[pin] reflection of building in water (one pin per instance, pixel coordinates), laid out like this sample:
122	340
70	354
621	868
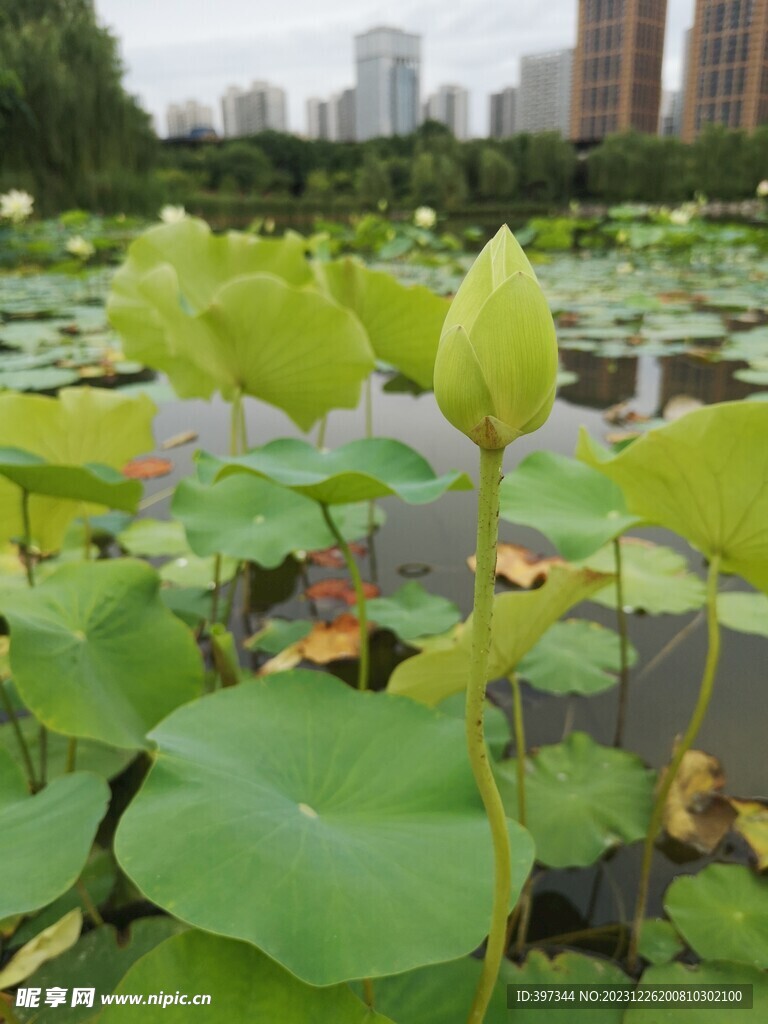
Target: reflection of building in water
711	382
602	382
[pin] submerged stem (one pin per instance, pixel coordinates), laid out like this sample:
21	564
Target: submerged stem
485	576
621	620
357	582
685	744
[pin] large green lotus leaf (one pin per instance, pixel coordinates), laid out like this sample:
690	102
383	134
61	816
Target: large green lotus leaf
722	913
91	756
520	620
100	485
44	839
122	660
81	426
720	973
582	799
655	579
746	613
243	984
412	612
359	471
573	505
403	323
575	656
705	476
154	538
97	961
308	830
191	571
659	941
249	518
564	970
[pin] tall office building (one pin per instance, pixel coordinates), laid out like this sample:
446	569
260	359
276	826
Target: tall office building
450	106
346	115
259	108
503	113
229	110
617	67
185	118
544	97
727	80
671	114
388	71
332	119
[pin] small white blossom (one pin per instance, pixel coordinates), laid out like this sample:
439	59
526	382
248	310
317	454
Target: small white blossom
80	247
424	217
680	217
172	214
16	206
762	189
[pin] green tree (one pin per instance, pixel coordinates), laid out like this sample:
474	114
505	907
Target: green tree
497	177
549	167
373	181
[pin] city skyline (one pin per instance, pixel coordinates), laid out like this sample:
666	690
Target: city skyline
191	55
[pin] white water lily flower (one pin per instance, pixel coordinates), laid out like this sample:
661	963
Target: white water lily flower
680	217
16	206
424	217
80	247
172	214
762	189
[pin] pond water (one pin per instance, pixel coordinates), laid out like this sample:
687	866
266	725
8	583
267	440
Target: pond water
635	335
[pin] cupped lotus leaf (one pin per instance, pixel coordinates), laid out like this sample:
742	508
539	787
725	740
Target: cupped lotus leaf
564	970
412	612
659	942
341	827
123	661
44	839
746	613
719	973
573	505
242	983
704	476
582	799
358	471
575	656
722	913
519	621
81	426
655	579
403	323
91	482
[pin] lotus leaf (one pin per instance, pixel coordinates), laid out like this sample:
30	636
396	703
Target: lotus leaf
655	578
91	482
412	612
746	613
719	973
575	656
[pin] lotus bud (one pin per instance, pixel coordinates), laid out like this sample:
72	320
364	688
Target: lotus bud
496	365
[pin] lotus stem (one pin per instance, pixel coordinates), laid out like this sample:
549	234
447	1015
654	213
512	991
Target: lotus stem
321	432
362	618
91	908
25	754
27	537
71	754
520	748
621	620
485	578
236	423
43	756
216	589
368	993
665	785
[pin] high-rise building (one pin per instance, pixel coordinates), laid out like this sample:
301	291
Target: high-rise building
184	119
229	110
332	119
544	96
617	67
388	71
346	118
259	108
450	106
503	113
727	80
671	114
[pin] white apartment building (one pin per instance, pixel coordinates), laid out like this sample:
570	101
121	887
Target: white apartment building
544	96
503	113
185	118
256	109
450	106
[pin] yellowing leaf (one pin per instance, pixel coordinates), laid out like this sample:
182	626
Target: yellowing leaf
696	812
49	943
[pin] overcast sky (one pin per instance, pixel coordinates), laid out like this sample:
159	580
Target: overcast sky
193	49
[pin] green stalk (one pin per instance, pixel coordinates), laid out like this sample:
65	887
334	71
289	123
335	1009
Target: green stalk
25	754
27	539
520	748
482	616
321	432
621	620
43	756
368	992
362	618
699	712
231	594
71	754
216	589
91	908
87	539
235	425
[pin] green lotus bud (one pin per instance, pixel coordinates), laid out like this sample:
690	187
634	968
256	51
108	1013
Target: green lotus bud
496	364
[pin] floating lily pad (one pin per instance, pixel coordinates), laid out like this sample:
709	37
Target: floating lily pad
582	799
659	942
704	476
575	656
359	471
123	660
44	839
44	378
655	579
746	613
242	984
412	612
722	913
718	973
340	829
573	505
